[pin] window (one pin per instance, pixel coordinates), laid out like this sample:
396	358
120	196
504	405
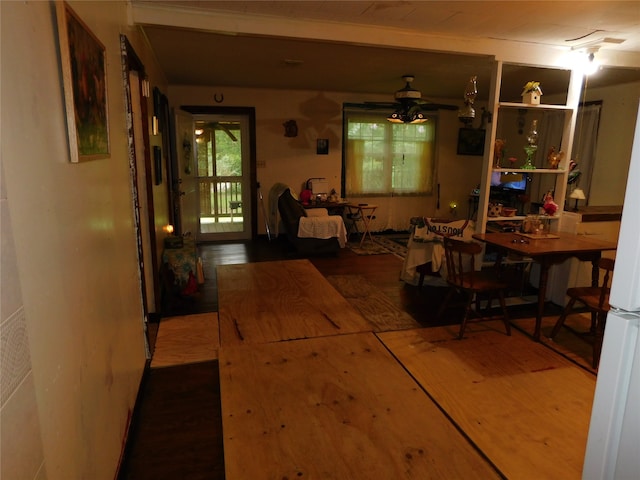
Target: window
384	158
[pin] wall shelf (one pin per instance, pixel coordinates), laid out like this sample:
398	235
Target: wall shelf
542	106
504	121
520	217
557	171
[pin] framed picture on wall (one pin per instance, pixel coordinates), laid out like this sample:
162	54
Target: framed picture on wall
84	76
471	141
322	146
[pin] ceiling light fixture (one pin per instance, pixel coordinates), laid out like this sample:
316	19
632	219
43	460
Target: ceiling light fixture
591	65
595	42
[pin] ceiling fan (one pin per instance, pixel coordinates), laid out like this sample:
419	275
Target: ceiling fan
409	104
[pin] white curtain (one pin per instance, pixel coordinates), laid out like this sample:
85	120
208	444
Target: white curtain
583	151
585	140
550	135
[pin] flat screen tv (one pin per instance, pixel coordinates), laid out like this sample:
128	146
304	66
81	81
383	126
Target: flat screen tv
509	181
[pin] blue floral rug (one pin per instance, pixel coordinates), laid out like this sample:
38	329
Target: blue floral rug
395	243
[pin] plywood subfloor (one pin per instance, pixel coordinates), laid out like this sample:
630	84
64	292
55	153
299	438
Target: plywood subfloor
338	407
526	407
374	305
572	341
186	339
282	300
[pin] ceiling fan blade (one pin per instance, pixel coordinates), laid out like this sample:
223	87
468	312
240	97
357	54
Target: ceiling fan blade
438	106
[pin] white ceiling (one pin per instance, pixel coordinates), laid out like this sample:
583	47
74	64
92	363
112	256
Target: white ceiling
254	46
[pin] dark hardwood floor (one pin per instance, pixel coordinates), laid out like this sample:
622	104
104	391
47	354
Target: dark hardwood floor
176	432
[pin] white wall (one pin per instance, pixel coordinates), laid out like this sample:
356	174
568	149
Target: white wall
319	115
71	283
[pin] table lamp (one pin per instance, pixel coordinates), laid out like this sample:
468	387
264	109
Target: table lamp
577	194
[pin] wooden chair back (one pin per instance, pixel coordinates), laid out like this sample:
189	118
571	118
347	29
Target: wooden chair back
460	261
596	299
462	276
607	265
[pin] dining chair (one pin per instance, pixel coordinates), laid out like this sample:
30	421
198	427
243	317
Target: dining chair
596	300
463	277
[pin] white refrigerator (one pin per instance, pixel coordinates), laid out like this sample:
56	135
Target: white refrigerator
613	447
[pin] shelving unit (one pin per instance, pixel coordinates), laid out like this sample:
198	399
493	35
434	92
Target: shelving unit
558	177
516	217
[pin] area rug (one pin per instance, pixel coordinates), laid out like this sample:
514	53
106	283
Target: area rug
186	339
367	248
395	243
374	305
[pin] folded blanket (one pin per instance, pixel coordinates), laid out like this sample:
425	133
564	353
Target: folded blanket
323	227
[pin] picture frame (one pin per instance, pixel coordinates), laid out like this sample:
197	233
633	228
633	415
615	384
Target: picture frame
322	146
84	76
471	141
157	163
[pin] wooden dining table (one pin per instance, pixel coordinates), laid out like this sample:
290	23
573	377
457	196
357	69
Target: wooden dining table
548	250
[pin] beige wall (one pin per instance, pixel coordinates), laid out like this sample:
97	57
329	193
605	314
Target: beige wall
71	307
615	139
319	115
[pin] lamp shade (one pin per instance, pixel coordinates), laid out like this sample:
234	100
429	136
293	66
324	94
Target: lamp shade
577	194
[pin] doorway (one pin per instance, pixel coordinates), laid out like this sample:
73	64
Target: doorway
217	171
136	89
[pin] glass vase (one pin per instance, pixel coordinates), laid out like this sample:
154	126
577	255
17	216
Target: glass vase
530	150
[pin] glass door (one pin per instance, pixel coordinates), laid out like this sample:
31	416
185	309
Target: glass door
222	161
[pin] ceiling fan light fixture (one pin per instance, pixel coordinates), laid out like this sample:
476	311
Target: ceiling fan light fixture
418	117
408	92
396	117
406	117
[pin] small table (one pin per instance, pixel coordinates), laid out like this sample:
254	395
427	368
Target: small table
182	260
333	208
547	252
364	212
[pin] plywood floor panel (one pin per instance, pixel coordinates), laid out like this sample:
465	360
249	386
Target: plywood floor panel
186	339
526	407
337	407
282	300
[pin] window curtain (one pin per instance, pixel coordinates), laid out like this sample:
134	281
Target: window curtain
583	151
550	135
354	180
584	144
425	157
388	159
